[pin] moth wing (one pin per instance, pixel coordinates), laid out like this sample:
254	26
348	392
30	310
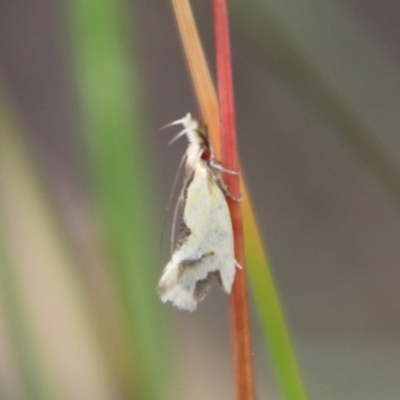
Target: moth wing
206	248
207	217
170	290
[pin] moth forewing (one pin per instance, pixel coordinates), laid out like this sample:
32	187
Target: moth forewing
207	217
204	248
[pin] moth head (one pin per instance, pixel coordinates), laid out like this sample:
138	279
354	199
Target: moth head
195	131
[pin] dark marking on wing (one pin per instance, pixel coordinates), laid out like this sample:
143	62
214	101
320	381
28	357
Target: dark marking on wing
204	286
184	265
183	230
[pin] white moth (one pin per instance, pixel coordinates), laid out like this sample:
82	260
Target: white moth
204	248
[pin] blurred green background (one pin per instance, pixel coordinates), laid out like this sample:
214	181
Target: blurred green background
85	176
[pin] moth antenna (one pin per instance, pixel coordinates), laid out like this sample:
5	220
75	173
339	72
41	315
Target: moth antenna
172	195
183	159
182	121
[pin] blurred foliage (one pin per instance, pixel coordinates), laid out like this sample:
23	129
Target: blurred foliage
270	311
50	315
112	112
117	160
43	300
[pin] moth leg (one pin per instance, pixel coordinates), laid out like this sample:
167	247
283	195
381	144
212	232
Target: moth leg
226	191
217	165
231	196
238	265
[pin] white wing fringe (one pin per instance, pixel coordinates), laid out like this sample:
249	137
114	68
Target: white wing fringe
170	290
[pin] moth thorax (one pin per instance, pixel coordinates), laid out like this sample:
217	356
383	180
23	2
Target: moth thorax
194	154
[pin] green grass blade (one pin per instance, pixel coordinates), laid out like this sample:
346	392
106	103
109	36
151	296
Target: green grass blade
270	311
321	51
110	90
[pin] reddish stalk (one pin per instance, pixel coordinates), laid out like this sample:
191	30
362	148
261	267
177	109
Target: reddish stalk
238	301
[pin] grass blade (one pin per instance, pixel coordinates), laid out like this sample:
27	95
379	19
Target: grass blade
271	313
49	311
109	84
238	301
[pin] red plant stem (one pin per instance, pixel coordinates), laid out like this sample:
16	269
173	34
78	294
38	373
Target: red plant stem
238	301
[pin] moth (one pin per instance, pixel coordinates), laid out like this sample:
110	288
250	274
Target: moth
204	249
